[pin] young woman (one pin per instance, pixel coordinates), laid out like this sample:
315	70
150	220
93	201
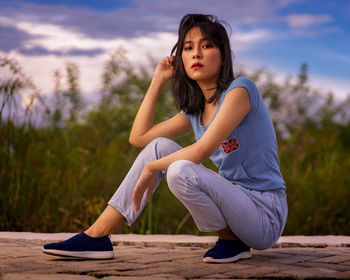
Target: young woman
245	203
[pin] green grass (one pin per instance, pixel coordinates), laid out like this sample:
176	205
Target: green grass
60	177
60	180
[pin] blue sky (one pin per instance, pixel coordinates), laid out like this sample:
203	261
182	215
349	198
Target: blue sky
278	35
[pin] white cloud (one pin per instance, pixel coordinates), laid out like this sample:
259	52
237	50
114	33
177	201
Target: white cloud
54	37
246	39
42	67
338	86
6	20
144	16
306	20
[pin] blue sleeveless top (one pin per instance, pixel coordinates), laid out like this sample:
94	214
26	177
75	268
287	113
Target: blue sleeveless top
248	157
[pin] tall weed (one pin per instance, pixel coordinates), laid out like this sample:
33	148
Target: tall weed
59	177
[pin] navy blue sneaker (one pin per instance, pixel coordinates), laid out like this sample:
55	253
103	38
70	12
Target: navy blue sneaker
82	246
226	251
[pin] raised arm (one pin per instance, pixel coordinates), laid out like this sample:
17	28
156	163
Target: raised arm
143	130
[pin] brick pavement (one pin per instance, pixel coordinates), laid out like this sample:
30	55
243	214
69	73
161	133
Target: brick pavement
139	258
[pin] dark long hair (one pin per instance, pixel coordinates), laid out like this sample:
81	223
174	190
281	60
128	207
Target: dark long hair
187	94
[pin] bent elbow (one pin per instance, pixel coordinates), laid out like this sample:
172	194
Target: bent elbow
202	152
200	155
134	142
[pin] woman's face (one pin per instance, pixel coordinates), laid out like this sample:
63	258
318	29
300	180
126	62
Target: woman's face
201	59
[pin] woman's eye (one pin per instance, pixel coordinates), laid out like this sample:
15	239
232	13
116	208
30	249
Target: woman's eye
188	48
207	46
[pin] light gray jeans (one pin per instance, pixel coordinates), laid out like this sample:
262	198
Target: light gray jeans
257	218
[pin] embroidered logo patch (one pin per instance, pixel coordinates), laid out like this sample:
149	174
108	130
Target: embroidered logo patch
230	145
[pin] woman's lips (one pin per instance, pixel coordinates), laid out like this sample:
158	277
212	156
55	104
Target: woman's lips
196	65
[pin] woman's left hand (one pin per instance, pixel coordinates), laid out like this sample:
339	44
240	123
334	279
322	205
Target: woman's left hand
146	182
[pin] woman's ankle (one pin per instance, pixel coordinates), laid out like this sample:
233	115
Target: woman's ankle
93	232
226	234
108	221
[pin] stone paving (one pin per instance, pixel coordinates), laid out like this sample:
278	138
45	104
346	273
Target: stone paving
175	257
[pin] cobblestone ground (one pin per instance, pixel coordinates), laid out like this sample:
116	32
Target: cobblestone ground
23	259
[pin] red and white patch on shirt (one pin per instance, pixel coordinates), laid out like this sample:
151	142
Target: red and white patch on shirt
230	145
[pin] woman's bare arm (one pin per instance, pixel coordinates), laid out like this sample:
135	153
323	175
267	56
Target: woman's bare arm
235	107
143	130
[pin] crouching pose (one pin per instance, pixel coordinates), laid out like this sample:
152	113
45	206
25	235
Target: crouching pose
245	202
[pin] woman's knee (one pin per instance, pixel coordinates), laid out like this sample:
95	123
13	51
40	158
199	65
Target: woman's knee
178	175
159	141
162	146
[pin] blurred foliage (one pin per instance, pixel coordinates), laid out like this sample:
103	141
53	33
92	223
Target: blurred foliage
59	176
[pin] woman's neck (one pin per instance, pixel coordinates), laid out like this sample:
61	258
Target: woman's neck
208	89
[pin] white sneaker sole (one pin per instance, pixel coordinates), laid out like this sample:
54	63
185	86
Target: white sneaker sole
85	254
244	255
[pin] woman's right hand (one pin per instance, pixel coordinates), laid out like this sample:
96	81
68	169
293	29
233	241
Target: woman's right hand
165	69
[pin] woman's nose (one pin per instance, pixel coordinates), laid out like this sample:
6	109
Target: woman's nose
196	52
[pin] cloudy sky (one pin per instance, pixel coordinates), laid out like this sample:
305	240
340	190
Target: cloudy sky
278	35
